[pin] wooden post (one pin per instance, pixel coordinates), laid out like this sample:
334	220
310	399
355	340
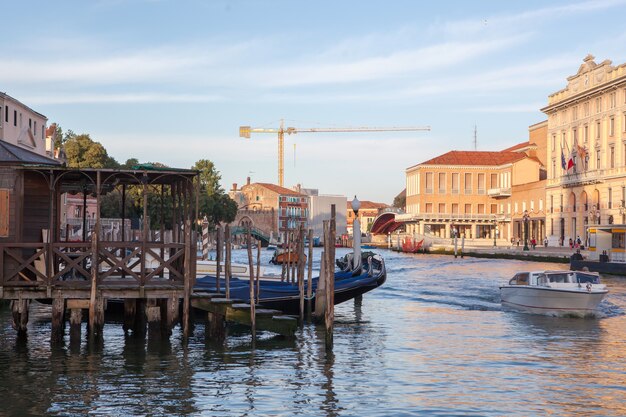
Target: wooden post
309	289
169	314
227	269
252	300
130	310
153	316
92	331
320	293
258	268
330	282
58	319
283	266
292	261
20	316
218	256
76	318
187	279
301	270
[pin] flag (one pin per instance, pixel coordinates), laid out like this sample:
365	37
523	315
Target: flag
563	163
570	161
581	151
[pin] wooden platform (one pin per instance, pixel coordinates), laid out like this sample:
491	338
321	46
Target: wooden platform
237	312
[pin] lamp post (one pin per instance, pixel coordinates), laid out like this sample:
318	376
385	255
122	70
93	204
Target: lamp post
356	232
495	230
526	218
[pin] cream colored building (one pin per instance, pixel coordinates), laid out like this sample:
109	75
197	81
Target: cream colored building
479	195
22	126
587	124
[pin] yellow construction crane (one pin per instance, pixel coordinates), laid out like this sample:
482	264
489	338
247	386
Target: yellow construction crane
245	131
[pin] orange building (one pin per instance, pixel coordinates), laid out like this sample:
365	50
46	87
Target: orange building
367	213
478	194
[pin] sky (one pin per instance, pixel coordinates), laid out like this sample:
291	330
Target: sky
171	81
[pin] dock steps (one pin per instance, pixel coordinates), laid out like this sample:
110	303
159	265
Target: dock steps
238	312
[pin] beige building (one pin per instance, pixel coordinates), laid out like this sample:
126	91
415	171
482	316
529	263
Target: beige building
479	195
367	214
22	126
586	152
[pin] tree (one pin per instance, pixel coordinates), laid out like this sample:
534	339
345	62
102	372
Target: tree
400	200
83	152
209	176
214	203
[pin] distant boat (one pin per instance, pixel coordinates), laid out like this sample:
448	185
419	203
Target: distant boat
368	247
283	256
411	245
271	247
557	293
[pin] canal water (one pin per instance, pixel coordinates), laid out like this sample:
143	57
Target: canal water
433	341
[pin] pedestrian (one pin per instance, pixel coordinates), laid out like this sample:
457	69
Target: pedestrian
518	241
533	243
578	242
545	242
571	243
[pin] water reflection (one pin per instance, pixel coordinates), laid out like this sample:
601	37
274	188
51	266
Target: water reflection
432	341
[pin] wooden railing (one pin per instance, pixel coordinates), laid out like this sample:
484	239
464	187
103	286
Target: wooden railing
134	263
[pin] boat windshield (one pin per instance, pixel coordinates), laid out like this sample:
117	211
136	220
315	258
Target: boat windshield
519	279
588	278
559	277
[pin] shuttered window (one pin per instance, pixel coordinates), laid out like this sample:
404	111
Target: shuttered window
4	213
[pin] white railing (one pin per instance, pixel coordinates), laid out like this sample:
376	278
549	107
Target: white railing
499	192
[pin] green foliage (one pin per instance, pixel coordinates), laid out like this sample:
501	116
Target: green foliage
400	201
83	152
209	177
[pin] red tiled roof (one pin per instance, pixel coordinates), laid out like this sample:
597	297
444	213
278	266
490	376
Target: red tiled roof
278	189
475	158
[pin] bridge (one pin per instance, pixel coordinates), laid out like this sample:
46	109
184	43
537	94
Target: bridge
254	231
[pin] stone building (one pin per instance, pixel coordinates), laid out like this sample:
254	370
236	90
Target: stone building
586	152
290	207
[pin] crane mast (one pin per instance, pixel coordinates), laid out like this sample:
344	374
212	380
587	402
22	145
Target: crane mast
246	131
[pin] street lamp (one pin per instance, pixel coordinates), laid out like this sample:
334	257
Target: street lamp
526	218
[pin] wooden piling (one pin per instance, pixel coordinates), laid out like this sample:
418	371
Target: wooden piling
252	298
130	310
301	270
320	292
19	309
218	256
330	281
153	317
58	319
187	280
227	263
258	268
309	289
76	318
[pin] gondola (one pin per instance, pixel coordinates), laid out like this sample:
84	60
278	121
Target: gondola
286	296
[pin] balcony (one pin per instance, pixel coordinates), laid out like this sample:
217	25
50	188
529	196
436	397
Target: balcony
499	192
453	217
576	179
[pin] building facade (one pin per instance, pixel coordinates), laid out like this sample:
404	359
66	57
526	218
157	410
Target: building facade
367	214
479	195
290	207
22	126
320	209
586	152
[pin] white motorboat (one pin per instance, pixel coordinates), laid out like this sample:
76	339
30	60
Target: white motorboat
558	293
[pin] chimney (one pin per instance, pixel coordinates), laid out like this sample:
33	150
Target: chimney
248	181
234	186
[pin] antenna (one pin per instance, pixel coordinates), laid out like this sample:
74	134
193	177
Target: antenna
475	138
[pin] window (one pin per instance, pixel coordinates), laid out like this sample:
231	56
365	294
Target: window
468	209
612	126
585	134
493	209
586	108
598	160
0	116
442	208
14	117
598	129
429	183
468	183
553	142
613	100
494	180
442	183
598	105
429	207
612	156
30	123
481	183
610	198
455	183
574	113
575	135
481	209
6	114
455	208
4	213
